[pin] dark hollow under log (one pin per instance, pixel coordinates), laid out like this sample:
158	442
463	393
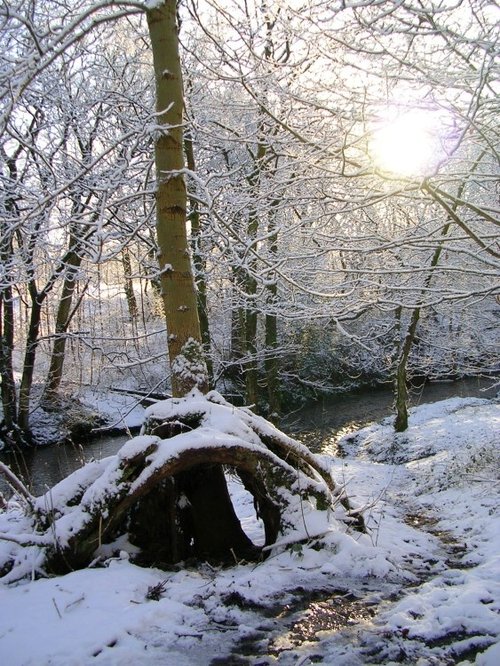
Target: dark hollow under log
182	510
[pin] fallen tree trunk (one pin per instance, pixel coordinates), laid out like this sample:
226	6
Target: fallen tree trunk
155	492
272	482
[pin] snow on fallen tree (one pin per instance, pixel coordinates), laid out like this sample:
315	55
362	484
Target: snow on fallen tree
150	492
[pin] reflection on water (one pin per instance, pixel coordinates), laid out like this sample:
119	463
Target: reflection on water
41	468
319	426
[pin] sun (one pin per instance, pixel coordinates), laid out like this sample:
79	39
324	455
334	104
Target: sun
408	143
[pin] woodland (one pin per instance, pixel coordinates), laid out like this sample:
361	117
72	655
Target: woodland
340	162
270	195
225	209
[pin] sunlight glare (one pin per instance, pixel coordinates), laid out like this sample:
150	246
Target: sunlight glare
408	144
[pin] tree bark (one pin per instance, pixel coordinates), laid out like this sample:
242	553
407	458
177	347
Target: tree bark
178	290
272	363
133	310
29	364
7	386
7	322
199	260
271	481
207	486
63	318
401	386
401	380
250	286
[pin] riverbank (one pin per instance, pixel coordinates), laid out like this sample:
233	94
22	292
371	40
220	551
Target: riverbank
88	413
422	587
83	415
318	426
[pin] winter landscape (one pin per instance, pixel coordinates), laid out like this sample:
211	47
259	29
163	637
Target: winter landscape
249	332
422	586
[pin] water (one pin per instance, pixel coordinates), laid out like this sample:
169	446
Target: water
42	467
321	425
318	426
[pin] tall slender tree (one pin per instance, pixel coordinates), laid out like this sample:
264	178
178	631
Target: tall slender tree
178	288
212	523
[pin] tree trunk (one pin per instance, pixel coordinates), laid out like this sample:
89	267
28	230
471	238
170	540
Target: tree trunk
7	323
237	312
401	420
7	386
213	513
272	369
271	322
250	286
29	365
63	319
401	386
178	290
199	261
145	489
205	487
133	310
251	366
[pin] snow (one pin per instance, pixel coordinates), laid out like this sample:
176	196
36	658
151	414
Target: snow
214	413
153	4
189	365
427	574
121	411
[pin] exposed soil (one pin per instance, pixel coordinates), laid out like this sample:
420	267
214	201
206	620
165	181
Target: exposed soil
308	617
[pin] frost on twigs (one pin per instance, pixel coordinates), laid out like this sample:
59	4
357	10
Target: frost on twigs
157	493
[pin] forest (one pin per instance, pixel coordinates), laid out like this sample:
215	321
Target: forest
341	165
223	210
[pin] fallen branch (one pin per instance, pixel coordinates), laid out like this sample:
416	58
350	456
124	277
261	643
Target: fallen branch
155	490
26	540
290	541
16	484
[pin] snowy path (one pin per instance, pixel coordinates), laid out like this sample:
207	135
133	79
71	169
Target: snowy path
370	621
423	588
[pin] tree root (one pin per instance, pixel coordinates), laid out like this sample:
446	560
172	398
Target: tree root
167	490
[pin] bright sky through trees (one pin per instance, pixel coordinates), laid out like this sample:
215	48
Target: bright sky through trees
410	143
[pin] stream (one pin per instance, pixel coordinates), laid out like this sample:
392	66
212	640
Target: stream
319	426
306	615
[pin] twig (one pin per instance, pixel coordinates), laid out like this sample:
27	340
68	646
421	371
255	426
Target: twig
291	540
100	532
301	499
73	603
16	484
57	609
155	591
234	556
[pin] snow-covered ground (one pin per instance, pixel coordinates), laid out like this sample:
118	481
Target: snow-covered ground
121	411
422	587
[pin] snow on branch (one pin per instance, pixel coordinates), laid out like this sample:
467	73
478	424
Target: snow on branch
292	487
16	484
